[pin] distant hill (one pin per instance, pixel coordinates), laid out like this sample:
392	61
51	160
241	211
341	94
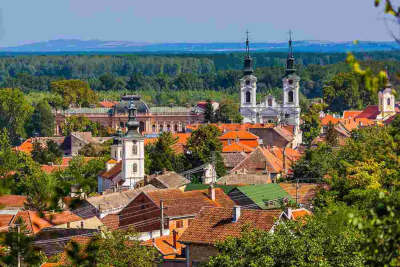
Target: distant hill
64	45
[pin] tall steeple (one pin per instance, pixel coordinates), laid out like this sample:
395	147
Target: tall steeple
132	124
290	69
248	66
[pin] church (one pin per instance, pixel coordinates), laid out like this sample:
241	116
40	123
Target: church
269	110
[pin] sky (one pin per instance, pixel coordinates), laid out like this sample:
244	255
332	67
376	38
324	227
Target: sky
27	21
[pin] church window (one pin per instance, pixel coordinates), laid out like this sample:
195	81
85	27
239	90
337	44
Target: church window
290	97
287	115
290	81
269	102
248	97
154	128
168	128
115	154
176	128
134	168
247	82
388	101
134	148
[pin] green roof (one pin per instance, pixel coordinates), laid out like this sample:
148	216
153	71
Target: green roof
261	194
226	188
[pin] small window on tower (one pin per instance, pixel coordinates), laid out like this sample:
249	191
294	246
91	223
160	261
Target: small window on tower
134	168
388	101
269	102
287	116
134	148
247	82
290	81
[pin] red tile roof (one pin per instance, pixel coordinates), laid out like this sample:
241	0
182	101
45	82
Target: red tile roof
107	104
59	167
239	135
305	191
329	119
5	220
351	114
165	245
300	213
36	223
12	201
111	221
113	172
237	147
180	203
213	225
224	127
370	112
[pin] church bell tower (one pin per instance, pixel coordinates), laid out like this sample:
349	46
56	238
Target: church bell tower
132	151
248	87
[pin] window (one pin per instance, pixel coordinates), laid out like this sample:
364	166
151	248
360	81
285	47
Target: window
121	124
287	116
134	148
388	101
154	128
290	81
179	224
134	168
248	97
269	102
290	97
176	127
115	154
247	82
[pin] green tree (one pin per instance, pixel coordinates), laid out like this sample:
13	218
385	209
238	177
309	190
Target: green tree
18	243
74	92
209	115
14	113
331	135
83	124
51	152
42	120
161	154
202	145
325	239
117	248
311	126
228	112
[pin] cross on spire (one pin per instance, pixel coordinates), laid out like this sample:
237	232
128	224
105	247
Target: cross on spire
290	44
247	44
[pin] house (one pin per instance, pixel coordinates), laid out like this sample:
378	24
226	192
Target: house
215	224
172	251
231	160
243	137
168	179
260	196
109	203
280	136
273	161
303	193
172	206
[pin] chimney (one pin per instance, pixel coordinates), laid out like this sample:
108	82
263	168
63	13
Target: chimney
211	192
174	235
236	213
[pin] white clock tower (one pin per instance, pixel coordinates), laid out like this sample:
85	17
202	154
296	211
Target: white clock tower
132	151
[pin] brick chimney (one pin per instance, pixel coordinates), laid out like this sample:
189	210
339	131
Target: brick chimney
284	161
174	237
211	192
236	213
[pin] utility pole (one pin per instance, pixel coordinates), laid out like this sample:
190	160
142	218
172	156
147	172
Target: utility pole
162	217
19	245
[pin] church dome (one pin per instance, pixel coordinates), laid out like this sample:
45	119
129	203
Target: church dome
123	105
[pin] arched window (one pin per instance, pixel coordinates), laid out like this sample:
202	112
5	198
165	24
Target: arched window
290	97
248	97
154	128
168	128
134	168
176	128
388	101
269	102
247	82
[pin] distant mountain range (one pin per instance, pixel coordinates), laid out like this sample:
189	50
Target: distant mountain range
93	46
